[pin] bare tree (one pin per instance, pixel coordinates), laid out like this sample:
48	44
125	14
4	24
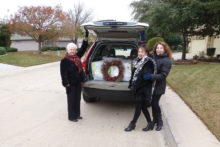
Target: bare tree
77	17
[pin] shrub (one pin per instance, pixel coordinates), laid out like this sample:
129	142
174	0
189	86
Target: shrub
2	51
210	52
11	49
62	48
45	48
153	41
195	57
54	48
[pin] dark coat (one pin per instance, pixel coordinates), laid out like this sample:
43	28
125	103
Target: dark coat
141	86
163	68
69	71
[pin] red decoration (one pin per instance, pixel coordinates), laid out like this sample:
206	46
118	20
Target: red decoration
105	67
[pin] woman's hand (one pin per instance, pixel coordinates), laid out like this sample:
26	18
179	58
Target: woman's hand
87	33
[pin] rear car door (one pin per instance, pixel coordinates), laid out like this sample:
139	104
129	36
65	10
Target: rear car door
116	30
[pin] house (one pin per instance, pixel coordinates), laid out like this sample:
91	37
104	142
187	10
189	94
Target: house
198	45
26	43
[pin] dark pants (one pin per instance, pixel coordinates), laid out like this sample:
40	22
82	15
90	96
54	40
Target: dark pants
141	104
155	107
73	101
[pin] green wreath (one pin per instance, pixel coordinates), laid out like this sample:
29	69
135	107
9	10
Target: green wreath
105	67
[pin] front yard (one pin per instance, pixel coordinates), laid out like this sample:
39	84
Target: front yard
29	58
199	86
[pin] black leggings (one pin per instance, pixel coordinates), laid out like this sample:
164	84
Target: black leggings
141	105
73	101
155	106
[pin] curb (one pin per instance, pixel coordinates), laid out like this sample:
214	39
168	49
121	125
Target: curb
21	69
168	135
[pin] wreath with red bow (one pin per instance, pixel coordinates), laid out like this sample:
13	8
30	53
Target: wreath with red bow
105	68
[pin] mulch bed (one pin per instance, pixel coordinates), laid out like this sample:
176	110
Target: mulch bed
209	59
195	61
185	62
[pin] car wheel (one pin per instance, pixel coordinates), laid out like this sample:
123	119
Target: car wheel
89	100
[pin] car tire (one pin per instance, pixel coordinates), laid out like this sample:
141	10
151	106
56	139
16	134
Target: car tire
89	100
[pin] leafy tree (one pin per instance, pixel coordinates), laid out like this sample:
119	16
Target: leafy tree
187	17
41	23
174	40
5	35
150	33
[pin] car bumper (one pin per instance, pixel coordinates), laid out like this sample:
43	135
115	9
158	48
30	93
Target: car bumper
116	95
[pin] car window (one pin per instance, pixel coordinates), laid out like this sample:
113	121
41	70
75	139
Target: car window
115	51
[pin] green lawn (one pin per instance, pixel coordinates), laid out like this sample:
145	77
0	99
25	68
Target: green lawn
199	87
29	58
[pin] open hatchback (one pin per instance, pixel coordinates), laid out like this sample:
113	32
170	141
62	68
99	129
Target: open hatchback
107	64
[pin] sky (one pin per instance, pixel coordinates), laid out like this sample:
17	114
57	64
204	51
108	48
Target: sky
101	9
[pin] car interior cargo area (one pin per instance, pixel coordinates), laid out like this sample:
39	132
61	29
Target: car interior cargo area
110	53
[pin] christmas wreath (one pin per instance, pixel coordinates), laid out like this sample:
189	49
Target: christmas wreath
105	70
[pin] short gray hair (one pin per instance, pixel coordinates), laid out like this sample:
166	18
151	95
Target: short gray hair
71	45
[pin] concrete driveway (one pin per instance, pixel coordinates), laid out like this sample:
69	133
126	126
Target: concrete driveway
33	113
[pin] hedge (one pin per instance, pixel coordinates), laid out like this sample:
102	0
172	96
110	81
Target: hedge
211	51
52	48
11	49
2	51
153	41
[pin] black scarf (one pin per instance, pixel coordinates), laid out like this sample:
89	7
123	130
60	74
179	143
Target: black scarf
139	64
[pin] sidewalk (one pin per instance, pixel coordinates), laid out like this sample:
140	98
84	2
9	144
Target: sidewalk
186	129
178	56
7	67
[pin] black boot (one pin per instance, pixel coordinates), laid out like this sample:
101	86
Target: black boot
159	123
154	122
130	127
150	126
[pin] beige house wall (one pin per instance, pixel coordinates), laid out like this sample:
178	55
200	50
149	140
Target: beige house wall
26	43
216	45
197	46
200	44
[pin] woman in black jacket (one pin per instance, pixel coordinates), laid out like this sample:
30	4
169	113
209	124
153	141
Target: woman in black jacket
162	55
142	88
72	76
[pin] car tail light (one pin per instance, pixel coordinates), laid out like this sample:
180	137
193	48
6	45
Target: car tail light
141	42
84	66
86	58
